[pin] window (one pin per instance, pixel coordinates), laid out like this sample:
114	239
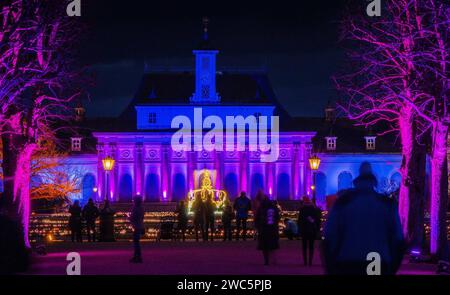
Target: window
370	143
331	143
76	144
152	118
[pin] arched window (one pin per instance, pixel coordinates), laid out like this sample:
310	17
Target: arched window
231	185
321	187
257	184
126	188
152	188
345	180
283	186
87	190
179	187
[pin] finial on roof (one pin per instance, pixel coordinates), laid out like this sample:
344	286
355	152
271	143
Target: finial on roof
205	21
152	93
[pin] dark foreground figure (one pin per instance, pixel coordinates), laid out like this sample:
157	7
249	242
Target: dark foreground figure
137	221
363	221
309	224
90	214
242	206
182	219
13	253
75	223
266	220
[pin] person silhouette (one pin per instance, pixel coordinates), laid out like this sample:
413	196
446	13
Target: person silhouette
137	221
199	218
360	222
210	209
90	214
309	223
242	205
266	221
75	224
182	219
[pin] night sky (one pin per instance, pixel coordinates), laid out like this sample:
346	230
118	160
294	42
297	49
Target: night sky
296	41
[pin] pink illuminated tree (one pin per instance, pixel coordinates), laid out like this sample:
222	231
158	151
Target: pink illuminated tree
393	60
37	88
432	107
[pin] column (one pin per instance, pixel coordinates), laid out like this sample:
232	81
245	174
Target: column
243	173
294	172
100	173
114	174
190	170
269	179
218	166
308	174
164	174
138	170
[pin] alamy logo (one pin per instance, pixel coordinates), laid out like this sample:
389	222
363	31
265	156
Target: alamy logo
374	8
236	134
74	8
374	267
74	266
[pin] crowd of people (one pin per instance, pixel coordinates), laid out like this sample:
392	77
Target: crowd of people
361	221
87	216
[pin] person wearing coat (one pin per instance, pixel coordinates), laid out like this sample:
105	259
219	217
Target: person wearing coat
242	205
90	214
363	221
227	217
107	223
198	208
309	225
137	221
266	221
210	209
182	218
75	224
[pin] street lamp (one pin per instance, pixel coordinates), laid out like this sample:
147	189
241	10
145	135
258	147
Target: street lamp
314	163
108	165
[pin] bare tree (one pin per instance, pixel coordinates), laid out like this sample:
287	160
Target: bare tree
37	87
381	86
56	178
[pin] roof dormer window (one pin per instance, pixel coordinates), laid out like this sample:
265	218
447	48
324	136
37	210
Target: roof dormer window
76	144
370	142
331	143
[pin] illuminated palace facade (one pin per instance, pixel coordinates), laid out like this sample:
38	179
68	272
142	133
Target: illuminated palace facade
139	141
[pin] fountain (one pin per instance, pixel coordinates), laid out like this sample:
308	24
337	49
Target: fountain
206	191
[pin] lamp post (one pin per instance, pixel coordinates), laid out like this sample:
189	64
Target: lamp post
108	165
314	163
107	217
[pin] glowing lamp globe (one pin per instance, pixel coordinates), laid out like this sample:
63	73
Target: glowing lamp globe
108	163
314	163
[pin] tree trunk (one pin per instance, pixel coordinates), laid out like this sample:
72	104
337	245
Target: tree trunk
9	169
439	193
22	187
17	172
412	189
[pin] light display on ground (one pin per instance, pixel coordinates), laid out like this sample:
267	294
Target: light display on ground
44	226
57	226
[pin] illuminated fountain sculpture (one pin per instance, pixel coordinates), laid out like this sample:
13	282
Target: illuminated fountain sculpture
206	192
